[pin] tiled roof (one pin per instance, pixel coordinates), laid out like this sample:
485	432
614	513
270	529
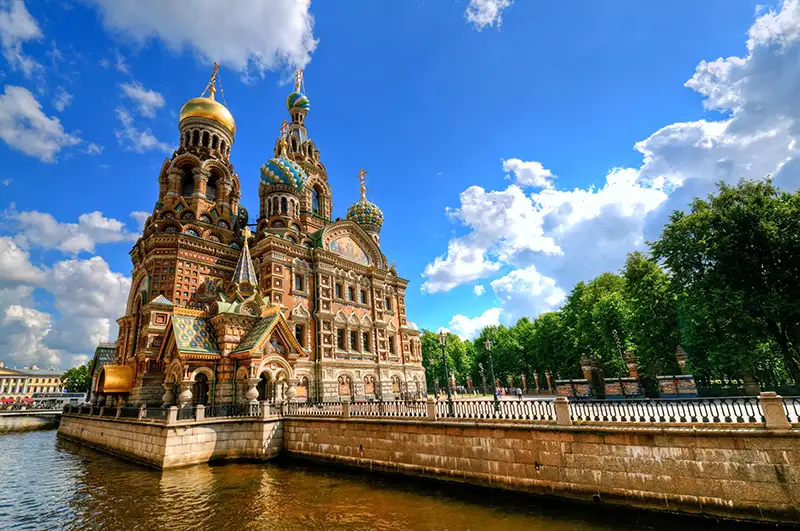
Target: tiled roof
256	333
245	272
161	300
194	334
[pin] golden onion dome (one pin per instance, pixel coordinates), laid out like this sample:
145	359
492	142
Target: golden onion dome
211	109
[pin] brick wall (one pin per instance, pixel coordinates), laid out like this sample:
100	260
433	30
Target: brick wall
729	473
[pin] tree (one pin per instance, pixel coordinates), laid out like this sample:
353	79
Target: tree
76	379
549	347
653	317
737	255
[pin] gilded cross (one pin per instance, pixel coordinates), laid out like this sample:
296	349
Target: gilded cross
361	175
298	80
212	84
246	233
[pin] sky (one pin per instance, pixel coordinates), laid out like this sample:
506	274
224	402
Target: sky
515	147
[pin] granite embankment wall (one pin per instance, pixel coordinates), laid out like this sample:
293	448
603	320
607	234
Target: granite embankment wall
171	446
733	473
10	422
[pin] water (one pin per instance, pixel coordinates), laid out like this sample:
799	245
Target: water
50	483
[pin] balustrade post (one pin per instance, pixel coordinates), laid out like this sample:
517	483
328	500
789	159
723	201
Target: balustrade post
119	410
346	408
563	415
431	408
172	415
284	407
199	412
264	410
774	413
142	411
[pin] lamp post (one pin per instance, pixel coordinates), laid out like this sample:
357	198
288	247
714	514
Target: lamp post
488	345
443	342
483	377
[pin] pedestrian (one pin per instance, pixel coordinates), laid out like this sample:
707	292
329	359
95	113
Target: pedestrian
519	393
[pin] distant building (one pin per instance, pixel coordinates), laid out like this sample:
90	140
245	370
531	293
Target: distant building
104	354
23	384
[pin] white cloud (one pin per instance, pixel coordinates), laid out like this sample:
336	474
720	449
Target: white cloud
482	13
41	230
467	328
529	174
62	99
141	217
87	297
257	35
479	289
6	182
135	139
23	126
94	149
17	26
592	229
147	101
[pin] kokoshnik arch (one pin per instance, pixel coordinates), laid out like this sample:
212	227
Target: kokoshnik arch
304	308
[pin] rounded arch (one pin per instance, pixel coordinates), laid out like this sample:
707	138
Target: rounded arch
205	370
174	372
185	159
281	364
138	281
339	229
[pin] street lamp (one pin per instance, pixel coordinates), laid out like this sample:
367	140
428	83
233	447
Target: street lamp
488	345
443	342
483	376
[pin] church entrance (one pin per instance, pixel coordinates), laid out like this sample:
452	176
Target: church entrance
265	388
201	388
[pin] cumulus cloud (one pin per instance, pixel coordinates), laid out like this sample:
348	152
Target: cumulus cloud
41	230
551	238
24	127
469	328
147	101
17	26
87	297
135	139
482	13
479	289
257	35
62	99
140	217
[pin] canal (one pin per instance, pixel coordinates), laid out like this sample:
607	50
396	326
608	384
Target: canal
50	483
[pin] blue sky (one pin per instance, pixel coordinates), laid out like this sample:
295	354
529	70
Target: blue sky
514	147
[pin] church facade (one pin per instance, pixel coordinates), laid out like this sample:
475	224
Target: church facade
300	307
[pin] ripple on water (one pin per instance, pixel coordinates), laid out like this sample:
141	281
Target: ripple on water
49	483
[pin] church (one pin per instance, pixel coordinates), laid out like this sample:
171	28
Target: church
294	306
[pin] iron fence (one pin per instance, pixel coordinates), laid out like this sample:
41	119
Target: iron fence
532	410
129	412
156	413
233	410
791	406
186	413
389	408
685	410
324	409
109	412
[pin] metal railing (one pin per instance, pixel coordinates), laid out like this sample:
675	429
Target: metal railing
736	410
129	412
233	410
390	408
156	413
186	413
531	410
325	409
791	406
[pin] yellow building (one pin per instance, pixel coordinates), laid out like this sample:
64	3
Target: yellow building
19	384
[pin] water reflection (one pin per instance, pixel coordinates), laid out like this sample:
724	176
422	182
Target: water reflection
47	483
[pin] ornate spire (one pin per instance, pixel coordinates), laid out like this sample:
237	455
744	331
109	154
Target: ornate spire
212	83
282	139
298	80
245	272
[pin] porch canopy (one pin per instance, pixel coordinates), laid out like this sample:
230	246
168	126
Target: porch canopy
115	379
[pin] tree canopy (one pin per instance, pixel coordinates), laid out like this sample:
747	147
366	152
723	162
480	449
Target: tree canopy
76	379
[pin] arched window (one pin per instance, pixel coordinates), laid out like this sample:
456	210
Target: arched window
222	147
315	201
214	142
201	389
195	137
188	182
206	139
211	189
284	206
264	387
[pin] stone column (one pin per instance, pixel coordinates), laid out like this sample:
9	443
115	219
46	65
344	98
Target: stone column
549	377
200	182
224	188
632	363
346	408
536	381
563	416
431	408
200	412
681	358
774	414
251	396
174	182
524	384
185	397
291	390
167	398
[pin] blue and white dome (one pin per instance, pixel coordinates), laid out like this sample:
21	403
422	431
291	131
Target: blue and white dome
298	100
282	170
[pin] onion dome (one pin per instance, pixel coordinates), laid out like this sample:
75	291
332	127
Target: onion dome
365	212
209	107
282	170
298	100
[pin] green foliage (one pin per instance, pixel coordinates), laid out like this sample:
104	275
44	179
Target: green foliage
76	379
728	293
